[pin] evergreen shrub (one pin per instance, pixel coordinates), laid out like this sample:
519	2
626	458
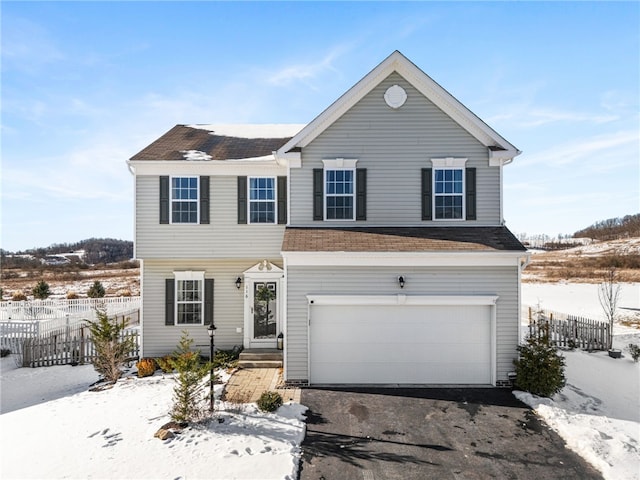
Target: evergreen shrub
269	401
540	369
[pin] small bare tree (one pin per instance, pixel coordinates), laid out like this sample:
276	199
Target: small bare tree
609	295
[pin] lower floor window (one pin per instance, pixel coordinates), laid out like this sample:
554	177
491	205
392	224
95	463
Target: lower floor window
189	300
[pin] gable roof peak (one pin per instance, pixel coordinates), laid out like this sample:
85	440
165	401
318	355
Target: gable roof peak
397	62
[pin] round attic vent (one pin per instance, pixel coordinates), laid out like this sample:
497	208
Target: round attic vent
395	96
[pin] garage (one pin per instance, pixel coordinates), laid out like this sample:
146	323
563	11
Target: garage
400	339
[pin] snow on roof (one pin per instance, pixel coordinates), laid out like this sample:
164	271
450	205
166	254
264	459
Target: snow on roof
195	155
266	130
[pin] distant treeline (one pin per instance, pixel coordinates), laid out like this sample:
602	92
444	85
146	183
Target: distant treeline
96	250
612	228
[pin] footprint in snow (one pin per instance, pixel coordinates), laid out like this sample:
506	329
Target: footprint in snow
248	450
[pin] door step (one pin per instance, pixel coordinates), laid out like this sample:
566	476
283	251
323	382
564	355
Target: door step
260	358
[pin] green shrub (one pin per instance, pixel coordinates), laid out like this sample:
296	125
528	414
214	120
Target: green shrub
112	349
41	290
269	401
96	290
164	363
189	394
226	358
540	369
5	352
634	350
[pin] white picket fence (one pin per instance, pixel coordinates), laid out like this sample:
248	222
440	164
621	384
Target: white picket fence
37	318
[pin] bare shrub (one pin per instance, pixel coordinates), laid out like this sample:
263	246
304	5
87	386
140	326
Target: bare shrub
18	296
609	296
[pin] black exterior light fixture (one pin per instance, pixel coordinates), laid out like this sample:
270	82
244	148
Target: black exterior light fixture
211	330
238	282
401	281
280	341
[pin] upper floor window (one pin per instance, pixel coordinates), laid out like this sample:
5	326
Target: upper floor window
339	194
449	191
449	188
339	182
184	200
262	200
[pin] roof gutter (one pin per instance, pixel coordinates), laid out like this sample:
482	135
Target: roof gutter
502	157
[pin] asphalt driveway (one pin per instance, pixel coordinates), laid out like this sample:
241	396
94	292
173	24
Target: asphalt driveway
377	433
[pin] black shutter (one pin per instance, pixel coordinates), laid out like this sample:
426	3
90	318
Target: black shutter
169	301
208	301
427	200
164	199
242	200
282	200
361	194
318	194
204	199
470	194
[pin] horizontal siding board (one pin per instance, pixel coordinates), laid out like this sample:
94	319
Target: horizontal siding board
159	339
501	281
221	238
394	145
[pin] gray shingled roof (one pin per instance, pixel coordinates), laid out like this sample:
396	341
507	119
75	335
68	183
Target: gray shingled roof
181	138
399	239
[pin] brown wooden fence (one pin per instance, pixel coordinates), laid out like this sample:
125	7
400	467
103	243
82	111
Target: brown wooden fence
569	330
71	345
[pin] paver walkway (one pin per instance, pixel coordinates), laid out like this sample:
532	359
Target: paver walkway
247	384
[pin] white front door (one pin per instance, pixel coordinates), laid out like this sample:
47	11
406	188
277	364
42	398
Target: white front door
263	305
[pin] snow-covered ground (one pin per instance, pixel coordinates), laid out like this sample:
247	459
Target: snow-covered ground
53	427
598	412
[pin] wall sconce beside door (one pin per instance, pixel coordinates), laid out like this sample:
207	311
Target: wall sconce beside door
401	281
238	283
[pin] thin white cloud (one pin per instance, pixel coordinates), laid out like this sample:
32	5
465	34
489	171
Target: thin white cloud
584	148
27	46
307	71
523	116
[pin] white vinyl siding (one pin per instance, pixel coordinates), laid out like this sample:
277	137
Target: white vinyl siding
303	280
394	145
228	304
221	238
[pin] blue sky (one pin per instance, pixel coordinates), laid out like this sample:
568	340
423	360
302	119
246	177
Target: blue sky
85	85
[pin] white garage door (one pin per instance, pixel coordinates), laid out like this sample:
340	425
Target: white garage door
400	344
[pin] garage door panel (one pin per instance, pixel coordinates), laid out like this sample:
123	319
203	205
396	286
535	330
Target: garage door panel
411	344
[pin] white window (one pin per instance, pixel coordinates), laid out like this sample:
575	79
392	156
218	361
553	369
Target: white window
339	189
448	188
262	199
189	298
184	200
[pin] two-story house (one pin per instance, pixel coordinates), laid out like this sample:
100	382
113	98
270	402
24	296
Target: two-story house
373	238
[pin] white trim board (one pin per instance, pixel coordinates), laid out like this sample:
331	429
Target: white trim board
401	259
401	299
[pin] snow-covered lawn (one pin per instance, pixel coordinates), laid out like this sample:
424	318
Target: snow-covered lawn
598	412
53	427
